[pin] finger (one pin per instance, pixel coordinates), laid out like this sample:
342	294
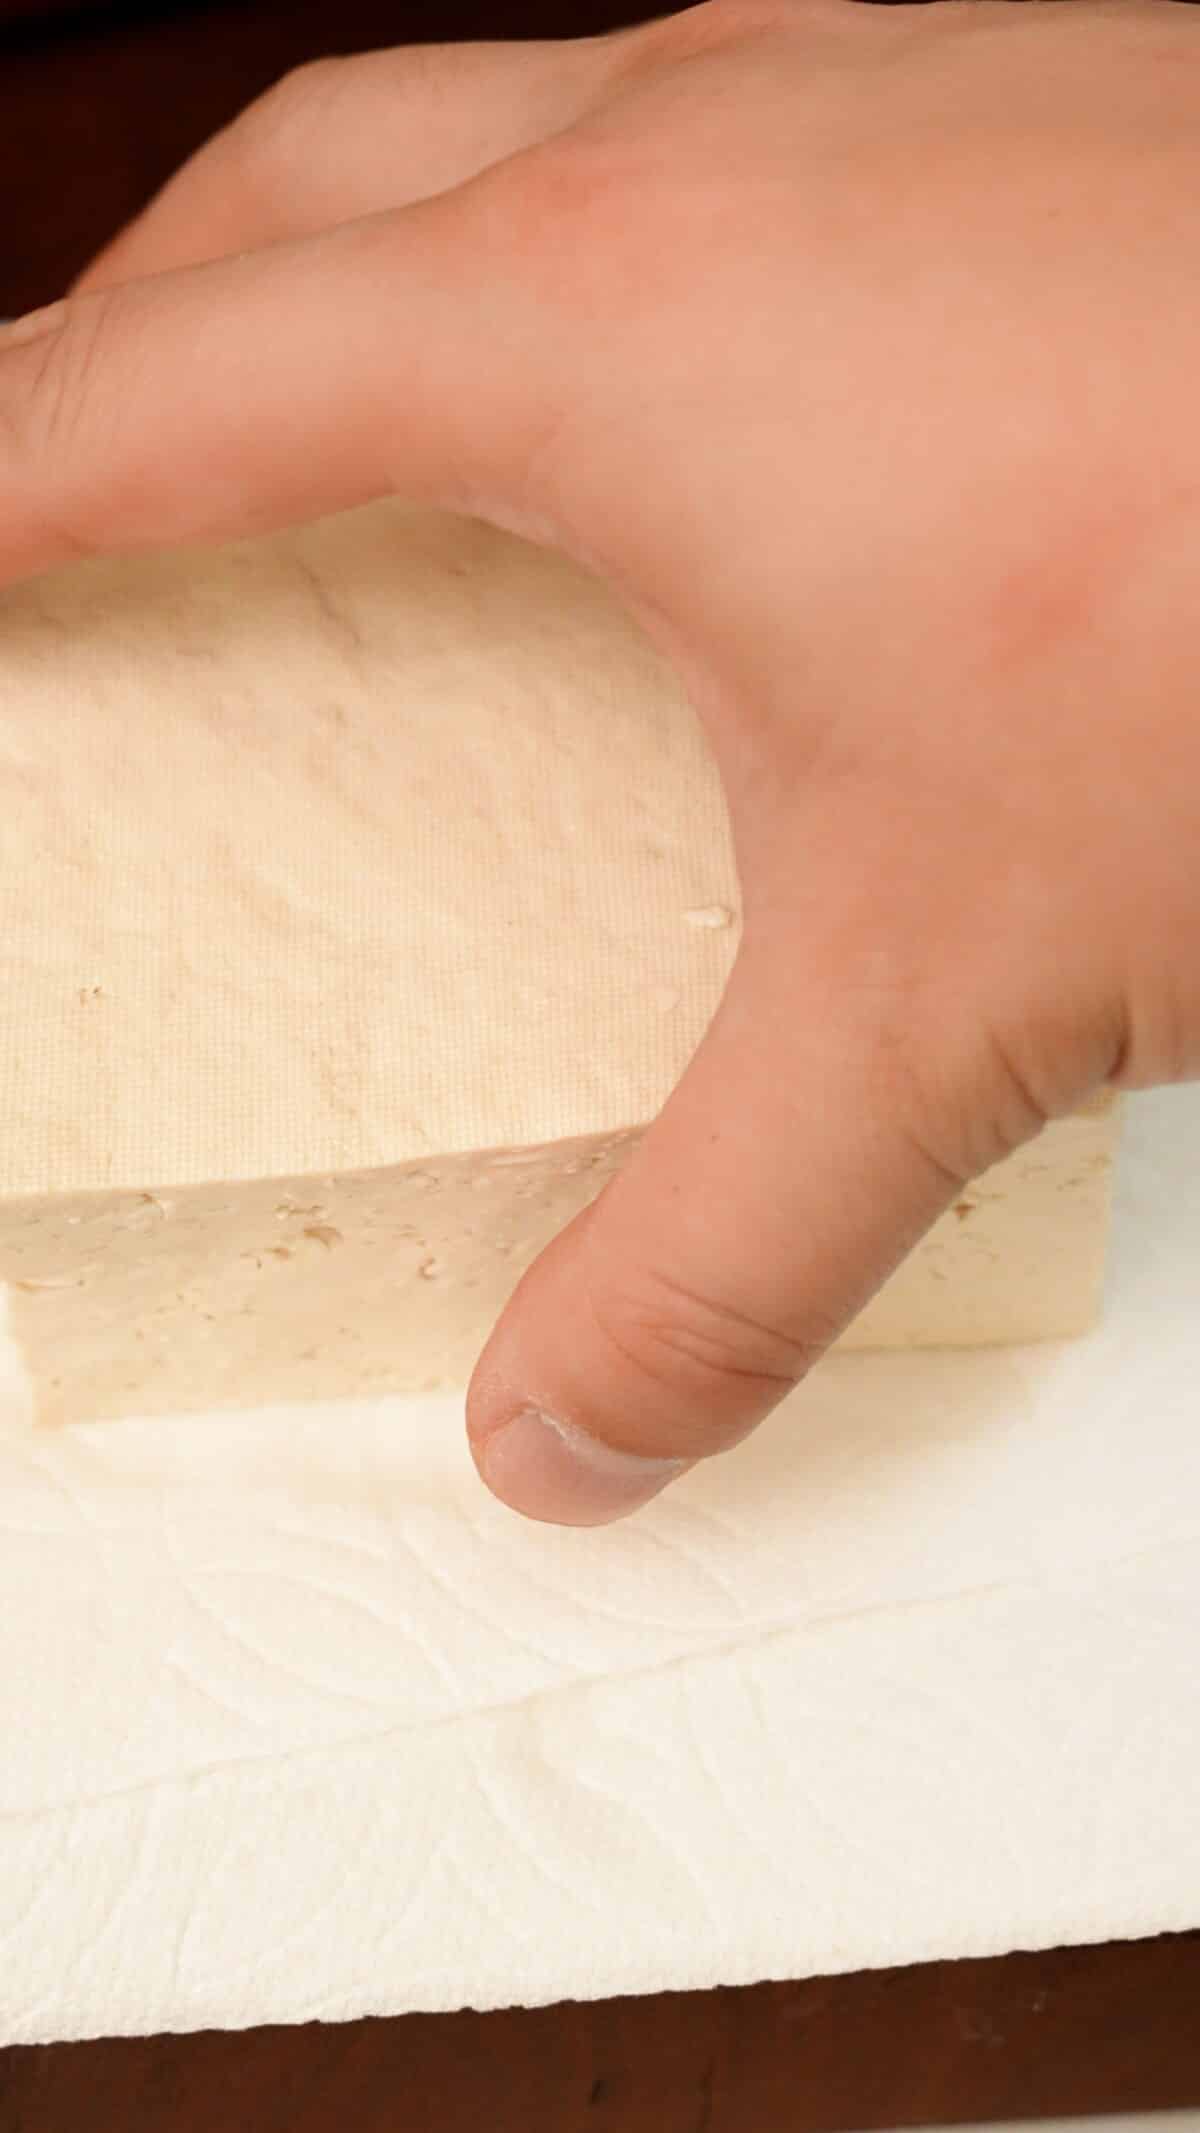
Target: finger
782	1183
407	351
343	138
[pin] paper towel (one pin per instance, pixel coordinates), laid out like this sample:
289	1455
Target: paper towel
302	1724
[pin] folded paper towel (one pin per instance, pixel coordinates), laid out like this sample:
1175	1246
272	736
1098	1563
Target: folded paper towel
302	1724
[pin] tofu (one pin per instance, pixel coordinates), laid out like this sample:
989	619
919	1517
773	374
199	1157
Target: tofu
364	892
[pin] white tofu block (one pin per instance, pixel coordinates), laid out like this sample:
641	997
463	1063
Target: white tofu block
363	893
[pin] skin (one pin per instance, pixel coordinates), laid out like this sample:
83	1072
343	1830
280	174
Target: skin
858	348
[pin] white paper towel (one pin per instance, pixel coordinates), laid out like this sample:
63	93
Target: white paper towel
300	1723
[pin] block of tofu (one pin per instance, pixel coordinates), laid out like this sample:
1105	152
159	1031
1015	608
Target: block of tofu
363	893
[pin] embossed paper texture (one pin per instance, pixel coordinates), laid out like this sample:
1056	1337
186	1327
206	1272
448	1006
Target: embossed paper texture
301	1724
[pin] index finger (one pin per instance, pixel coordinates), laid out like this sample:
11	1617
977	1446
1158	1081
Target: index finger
403	352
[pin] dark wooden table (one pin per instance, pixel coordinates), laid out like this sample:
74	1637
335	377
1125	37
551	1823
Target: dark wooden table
1103	2029
97	106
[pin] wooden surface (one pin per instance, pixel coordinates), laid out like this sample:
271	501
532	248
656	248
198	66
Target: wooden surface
1104	2029
48	10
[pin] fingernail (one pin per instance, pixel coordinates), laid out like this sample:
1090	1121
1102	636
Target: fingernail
555	1471
34	324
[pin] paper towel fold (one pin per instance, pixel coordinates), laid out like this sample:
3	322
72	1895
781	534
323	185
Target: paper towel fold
302	1724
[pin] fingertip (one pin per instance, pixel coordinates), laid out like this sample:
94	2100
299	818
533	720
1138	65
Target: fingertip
555	1472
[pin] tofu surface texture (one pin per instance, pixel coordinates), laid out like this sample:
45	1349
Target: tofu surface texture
365	891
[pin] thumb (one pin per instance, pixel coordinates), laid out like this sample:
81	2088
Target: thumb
780	1186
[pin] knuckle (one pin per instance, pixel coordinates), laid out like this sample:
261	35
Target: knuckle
296	97
742	18
1015	1080
59	393
559	199
965	1055
602	232
668	1331
563	217
265	144
718	24
973	1101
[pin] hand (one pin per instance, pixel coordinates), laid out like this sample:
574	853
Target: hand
858	348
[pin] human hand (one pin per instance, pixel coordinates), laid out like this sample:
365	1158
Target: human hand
857	348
